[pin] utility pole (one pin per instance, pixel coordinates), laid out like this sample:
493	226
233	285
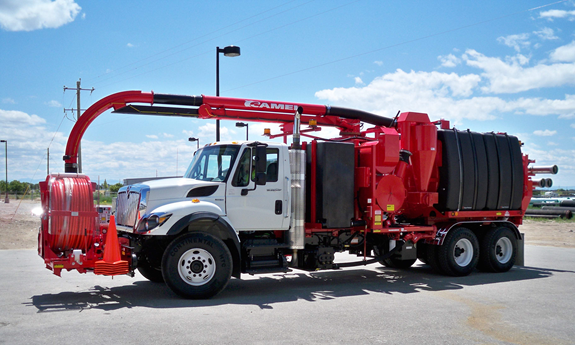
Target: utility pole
48	161
78	89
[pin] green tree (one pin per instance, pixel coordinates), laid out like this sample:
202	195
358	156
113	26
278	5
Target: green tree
105	185
115	187
16	186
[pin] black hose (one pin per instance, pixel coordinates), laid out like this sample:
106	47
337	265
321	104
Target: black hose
368	262
160	98
359	115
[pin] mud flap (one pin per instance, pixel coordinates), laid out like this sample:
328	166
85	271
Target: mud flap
520	252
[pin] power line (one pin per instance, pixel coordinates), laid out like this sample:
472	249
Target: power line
198	38
241	40
78	89
395	45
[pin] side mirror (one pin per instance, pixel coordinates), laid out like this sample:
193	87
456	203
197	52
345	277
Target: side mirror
260	179
260	159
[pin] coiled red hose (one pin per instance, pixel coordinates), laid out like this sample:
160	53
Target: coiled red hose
72	220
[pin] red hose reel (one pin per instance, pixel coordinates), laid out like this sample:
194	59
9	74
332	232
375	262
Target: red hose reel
70	236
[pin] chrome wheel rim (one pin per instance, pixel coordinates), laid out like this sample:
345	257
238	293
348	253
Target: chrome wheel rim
503	250
463	252
196	267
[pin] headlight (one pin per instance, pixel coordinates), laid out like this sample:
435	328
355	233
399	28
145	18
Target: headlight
153	221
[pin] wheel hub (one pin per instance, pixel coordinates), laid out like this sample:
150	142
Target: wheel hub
458	251
463	252
504	250
197	267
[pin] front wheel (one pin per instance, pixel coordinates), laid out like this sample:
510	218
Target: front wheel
197	265
498	250
459	254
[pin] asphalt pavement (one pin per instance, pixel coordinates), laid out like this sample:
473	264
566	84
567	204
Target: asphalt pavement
371	304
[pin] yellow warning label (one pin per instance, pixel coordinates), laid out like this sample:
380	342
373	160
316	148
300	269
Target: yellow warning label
376	231
377	218
377	223
498	213
58	266
390	208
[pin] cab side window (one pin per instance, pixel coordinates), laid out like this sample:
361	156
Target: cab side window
242	175
271	165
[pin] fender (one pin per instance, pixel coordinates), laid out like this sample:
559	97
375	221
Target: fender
214	224
444	230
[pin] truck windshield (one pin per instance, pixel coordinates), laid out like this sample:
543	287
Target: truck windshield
213	163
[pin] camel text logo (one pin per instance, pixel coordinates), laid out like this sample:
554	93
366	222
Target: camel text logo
271	106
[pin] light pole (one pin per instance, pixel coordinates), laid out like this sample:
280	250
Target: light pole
6	200
230	51
243	124
197	140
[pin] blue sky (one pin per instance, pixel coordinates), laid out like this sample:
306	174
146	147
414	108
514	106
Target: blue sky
504	66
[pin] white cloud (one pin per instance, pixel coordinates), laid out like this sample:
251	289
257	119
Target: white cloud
15	118
551	143
545	133
516	41
358	80
564	108
151	136
54	104
449	60
8	101
130	45
563	53
207	133
167	135
431	92
441	95
551	14
546	34
28	15
379	63
510	77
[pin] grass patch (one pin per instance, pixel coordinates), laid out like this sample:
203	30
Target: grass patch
556	220
104	200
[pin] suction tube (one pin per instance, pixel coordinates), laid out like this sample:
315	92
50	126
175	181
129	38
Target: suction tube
359	115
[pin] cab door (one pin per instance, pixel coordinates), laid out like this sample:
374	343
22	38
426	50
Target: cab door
264	207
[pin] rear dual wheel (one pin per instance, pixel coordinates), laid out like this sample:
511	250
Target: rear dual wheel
458	255
498	250
461	252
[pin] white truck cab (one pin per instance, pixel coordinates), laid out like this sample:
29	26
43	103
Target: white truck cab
222	179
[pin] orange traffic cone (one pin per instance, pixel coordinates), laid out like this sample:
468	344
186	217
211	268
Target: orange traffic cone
112	264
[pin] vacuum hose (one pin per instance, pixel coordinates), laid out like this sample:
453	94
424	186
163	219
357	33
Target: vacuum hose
71	211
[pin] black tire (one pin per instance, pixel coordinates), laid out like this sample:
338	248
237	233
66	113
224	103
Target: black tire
153	274
432	258
467	155
395	263
481	164
505	162
493	171
197	265
498	250
449	172
459	254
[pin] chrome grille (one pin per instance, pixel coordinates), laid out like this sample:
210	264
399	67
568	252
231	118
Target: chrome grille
127	208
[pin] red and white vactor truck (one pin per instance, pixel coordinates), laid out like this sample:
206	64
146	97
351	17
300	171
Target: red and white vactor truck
389	190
